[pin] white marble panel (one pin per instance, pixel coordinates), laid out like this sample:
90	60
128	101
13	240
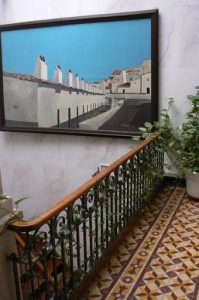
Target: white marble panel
47	167
179	41
36	148
178	83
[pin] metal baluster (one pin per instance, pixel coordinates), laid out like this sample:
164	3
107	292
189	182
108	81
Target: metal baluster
84	205
139	182
151	175
63	258
96	197
77	115
128	193
13	258
116	203
107	209
122	200
141	179
146	170
58	118
102	222
47	287
125	210
78	247
91	237
120	204
69	117
53	254
37	282
131	187
134	187
111	211
27	272
28	249
136	184
70	239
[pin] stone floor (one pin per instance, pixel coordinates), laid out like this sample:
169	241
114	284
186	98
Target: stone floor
159	259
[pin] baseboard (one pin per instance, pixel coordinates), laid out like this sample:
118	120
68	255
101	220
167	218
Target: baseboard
178	181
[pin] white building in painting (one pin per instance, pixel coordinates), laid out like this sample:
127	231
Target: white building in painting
57	75
41	69
81	84
147	66
146	83
133	87
76	82
69	78
136	80
48	97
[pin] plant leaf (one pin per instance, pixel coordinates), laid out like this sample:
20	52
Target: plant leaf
17	202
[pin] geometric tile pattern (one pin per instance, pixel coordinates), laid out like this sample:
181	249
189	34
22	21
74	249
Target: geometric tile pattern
159	259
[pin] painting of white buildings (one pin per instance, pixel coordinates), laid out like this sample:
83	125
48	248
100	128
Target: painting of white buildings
79	104
81	86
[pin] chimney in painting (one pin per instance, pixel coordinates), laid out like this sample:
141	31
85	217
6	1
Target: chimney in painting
124	77
86	86
41	69
81	84
69	78
57	75
76	82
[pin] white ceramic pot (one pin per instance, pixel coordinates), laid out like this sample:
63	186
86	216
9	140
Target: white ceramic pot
192	184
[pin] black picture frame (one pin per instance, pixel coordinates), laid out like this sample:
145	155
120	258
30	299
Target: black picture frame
13	83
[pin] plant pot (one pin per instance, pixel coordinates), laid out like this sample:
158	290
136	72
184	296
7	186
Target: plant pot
192	184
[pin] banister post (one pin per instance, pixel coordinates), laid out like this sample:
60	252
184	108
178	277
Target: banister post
7	246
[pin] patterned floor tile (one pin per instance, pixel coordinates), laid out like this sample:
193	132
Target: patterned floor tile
159	259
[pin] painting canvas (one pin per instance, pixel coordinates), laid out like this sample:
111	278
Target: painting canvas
89	76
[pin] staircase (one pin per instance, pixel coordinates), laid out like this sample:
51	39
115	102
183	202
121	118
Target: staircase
39	268
59	250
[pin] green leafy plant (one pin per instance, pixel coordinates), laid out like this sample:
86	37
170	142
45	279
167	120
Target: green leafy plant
16	203
181	143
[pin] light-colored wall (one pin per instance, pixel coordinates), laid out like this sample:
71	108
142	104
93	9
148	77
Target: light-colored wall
20	99
29	101
57	77
146	83
41	70
47	167
135	87
47	105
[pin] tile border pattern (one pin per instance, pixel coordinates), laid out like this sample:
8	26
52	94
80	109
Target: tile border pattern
159	259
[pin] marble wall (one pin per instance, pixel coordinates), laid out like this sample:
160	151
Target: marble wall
46	167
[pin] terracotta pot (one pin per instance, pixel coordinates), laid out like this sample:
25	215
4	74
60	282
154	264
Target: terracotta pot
192	184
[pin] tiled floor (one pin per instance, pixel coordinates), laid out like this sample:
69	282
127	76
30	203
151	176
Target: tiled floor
159	259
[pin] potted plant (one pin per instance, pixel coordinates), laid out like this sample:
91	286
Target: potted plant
181	143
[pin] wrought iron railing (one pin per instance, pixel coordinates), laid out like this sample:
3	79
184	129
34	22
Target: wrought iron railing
61	246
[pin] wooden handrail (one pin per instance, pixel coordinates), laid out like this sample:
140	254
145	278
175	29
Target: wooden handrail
24	226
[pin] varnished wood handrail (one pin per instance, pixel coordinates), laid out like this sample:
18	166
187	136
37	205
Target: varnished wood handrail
24	226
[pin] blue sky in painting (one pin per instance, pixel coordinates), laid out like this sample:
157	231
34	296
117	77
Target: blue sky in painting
91	50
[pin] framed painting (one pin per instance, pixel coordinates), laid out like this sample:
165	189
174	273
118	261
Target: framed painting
94	75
